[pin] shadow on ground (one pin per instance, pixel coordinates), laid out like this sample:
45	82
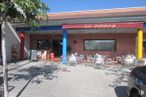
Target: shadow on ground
47	71
121	91
19	66
1	81
35	74
1	87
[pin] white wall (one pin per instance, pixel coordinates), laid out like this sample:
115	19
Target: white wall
13	38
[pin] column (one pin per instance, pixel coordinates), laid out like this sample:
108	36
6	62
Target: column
22	36
139	44
64	47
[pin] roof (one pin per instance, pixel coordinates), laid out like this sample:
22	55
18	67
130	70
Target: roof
93	16
116	12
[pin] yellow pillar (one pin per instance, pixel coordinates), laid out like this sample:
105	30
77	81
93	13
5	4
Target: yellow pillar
139	44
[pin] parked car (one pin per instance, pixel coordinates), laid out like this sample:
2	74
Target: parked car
137	82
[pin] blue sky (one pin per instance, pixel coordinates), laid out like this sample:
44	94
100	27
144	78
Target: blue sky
80	5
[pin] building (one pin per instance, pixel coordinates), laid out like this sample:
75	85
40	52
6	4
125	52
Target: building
110	32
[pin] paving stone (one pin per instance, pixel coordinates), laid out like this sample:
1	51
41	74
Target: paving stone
65	81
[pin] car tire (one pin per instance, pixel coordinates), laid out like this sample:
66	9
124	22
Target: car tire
136	95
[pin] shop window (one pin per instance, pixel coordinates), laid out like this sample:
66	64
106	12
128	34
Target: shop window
43	44
101	45
144	45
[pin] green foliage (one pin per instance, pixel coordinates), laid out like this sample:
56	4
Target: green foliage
2	7
26	11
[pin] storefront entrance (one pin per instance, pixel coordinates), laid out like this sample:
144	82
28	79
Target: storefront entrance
57	47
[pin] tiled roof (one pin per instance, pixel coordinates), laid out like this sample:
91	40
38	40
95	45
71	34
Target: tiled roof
99	13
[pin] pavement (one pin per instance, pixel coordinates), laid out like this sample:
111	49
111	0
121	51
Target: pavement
45	79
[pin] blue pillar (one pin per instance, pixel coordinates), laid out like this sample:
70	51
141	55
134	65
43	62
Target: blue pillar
64	47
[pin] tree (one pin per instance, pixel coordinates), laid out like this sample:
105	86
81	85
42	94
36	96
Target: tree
27	11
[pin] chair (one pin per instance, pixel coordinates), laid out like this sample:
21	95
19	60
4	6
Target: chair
72	59
44	55
39	54
90	58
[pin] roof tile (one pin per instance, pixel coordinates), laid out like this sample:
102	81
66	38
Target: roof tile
99	13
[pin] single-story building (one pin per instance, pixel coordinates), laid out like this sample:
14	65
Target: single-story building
112	32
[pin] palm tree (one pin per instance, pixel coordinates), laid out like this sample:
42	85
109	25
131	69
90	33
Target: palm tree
26	11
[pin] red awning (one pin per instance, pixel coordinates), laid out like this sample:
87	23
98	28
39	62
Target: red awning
104	25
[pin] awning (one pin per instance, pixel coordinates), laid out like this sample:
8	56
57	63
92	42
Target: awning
104	25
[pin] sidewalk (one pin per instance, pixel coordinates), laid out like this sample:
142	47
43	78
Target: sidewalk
44	79
13	67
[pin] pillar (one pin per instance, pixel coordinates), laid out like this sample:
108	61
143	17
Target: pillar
64	47
22	36
139	44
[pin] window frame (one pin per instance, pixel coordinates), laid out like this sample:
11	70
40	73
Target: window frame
115	47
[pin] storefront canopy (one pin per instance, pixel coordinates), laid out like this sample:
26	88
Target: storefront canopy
104	25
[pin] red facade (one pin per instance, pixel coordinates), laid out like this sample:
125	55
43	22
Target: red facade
125	43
